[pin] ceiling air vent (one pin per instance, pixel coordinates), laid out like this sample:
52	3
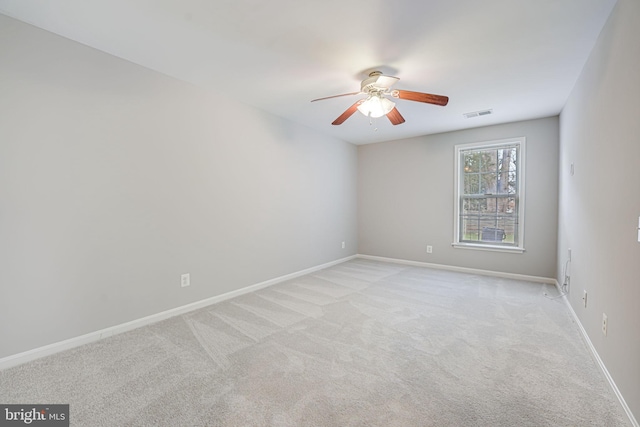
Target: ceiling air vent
478	113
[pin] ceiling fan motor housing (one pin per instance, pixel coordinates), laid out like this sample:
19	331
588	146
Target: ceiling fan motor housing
377	83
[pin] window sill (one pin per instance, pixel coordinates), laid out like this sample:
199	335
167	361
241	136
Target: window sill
492	248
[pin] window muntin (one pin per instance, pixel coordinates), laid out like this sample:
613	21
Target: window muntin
489	199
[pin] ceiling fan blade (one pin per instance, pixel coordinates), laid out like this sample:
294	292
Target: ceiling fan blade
348	113
335	96
421	97
395	117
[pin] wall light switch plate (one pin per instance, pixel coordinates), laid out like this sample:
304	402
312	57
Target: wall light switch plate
185	280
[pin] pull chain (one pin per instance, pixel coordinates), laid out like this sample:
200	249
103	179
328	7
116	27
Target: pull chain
371	124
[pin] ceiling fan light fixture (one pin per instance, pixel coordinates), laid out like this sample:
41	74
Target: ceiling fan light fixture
376	106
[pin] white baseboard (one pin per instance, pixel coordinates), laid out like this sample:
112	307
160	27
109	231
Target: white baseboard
600	363
27	356
514	276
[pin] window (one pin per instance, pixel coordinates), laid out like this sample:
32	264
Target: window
489	203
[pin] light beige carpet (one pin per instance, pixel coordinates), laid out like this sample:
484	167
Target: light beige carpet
363	343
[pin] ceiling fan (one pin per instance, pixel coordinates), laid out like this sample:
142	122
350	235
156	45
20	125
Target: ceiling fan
377	87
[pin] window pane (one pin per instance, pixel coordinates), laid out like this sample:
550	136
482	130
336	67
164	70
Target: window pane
499	205
489	160
471	162
469	227
472	183
489	183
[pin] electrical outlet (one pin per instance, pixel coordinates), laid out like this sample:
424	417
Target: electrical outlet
604	324
343	245
584	299
185	280
429	249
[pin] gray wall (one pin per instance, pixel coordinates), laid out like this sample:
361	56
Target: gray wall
114	180
406	199
600	204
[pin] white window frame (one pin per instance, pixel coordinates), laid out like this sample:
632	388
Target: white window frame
458	188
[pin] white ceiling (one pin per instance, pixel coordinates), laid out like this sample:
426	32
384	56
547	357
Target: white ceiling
520	58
